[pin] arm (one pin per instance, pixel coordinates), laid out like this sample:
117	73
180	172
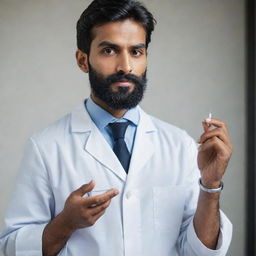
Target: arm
30	206
79	212
29	222
205	230
207	219
213	156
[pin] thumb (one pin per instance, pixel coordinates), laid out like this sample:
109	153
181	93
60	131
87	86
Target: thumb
85	188
206	126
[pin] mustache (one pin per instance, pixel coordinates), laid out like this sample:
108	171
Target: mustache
128	77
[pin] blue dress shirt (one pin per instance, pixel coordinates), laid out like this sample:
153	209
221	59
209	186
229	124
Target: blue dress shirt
102	118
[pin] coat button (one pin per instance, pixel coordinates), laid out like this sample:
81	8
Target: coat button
128	194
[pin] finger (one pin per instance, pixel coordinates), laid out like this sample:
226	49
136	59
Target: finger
215	143
85	188
97	216
97	209
100	199
206	127
218	132
217	123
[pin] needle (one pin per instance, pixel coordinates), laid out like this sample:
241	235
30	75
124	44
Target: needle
209	119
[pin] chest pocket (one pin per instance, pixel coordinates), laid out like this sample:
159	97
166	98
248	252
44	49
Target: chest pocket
169	203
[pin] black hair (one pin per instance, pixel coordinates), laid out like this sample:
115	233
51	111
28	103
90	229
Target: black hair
100	12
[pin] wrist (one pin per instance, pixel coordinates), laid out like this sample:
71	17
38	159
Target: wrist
210	188
65	223
55	235
210	184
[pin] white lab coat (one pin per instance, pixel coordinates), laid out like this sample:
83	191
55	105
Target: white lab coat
151	216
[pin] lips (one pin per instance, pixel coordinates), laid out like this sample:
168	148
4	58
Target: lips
123	82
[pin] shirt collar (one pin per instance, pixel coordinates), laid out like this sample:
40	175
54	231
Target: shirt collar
102	118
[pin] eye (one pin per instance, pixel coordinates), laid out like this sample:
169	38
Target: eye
108	51
136	52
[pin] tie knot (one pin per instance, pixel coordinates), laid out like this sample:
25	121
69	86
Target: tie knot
118	129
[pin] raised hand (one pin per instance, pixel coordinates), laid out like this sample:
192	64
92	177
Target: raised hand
214	152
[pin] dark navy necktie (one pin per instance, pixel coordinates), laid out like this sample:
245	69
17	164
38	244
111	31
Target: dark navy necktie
120	148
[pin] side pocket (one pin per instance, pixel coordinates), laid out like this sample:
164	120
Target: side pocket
169	203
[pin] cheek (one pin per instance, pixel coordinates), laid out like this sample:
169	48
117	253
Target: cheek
103	65
139	67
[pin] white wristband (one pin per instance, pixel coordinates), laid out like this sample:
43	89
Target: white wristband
210	190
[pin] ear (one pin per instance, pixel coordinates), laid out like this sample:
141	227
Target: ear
82	61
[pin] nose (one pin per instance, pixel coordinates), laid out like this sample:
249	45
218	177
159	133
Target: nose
124	64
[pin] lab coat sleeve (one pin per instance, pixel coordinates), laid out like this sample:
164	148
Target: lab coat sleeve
30	207
188	243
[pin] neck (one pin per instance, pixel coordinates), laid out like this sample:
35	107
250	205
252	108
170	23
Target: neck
117	113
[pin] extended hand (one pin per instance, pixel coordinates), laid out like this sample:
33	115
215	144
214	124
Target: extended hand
81	212
214	152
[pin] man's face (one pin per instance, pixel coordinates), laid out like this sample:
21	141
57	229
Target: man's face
117	63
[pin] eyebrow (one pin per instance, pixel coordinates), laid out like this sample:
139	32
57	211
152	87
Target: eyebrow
109	44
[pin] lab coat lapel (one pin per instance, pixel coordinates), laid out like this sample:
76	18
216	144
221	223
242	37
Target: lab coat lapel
143	147
98	147
95	144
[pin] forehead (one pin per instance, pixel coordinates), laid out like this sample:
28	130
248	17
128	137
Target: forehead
127	32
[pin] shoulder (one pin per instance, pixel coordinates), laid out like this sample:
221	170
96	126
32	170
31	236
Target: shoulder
163	126
54	131
171	132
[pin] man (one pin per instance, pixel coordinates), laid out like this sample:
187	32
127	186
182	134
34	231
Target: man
108	179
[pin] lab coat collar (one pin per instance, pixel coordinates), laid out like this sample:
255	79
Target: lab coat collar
97	146
82	122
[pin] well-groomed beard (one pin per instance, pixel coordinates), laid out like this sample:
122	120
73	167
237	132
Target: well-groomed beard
122	98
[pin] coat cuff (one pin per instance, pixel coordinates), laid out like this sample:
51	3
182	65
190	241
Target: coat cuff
224	239
29	240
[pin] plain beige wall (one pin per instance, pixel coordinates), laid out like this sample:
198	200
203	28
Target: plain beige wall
196	64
